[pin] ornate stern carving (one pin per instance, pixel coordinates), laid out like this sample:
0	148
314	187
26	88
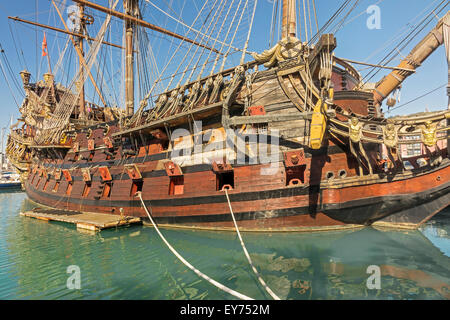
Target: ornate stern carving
355	129
390	135
287	48
194	92
356	146
160	103
217	85
428	136
25	75
206	90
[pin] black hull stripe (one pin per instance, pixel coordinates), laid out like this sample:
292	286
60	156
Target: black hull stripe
363	211
240	216
176	202
220	197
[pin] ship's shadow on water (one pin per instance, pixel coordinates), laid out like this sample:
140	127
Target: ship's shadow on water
133	263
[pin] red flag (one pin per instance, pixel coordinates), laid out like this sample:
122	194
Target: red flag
44	46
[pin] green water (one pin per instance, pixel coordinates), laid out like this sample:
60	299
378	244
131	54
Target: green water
133	263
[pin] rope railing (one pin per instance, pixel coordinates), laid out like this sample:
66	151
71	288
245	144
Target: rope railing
185	262
263	283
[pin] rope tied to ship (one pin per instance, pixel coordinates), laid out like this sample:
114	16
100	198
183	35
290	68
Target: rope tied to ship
263	283
186	263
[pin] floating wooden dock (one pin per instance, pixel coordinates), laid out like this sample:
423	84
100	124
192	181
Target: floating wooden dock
83	220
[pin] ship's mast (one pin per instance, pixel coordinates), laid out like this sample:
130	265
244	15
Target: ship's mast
130	8
433	40
79	41
289	24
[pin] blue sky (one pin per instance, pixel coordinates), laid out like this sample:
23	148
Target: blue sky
355	42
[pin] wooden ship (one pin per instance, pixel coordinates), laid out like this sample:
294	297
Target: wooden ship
295	137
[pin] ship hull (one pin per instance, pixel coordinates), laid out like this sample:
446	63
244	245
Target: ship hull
404	201
281	173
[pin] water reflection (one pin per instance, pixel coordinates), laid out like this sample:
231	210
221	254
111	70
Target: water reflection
438	231
133	263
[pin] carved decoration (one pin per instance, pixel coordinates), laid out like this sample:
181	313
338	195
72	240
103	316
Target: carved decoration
86	174
105	174
58	174
76	147
172	169
429	136
221	165
133	172
67	175
218	83
91	144
355	129
108	142
287	48
390	135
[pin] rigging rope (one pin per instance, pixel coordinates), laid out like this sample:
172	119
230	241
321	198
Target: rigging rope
340	23
417	98
226	37
447	53
7	82
361	13
306	25
315	17
11	72
249	32
269	291
232	39
274	21
406	40
174	54
330	21
191	46
16	47
56	122
309	17
183	24
210	51
215	20
186	263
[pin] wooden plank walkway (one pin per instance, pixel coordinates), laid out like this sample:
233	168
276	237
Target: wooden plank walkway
83	220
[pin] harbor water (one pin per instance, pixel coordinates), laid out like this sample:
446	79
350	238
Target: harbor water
36	259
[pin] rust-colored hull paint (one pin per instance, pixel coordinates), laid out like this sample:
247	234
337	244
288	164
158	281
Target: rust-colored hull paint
260	203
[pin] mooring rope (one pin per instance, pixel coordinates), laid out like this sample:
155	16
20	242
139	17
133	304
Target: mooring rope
187	264
263	283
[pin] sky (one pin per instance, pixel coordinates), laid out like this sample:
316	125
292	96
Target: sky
356	41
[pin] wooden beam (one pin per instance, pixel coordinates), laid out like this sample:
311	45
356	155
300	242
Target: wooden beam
130	6
64	31
141	23
429	44
80	85
289	20
237	121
